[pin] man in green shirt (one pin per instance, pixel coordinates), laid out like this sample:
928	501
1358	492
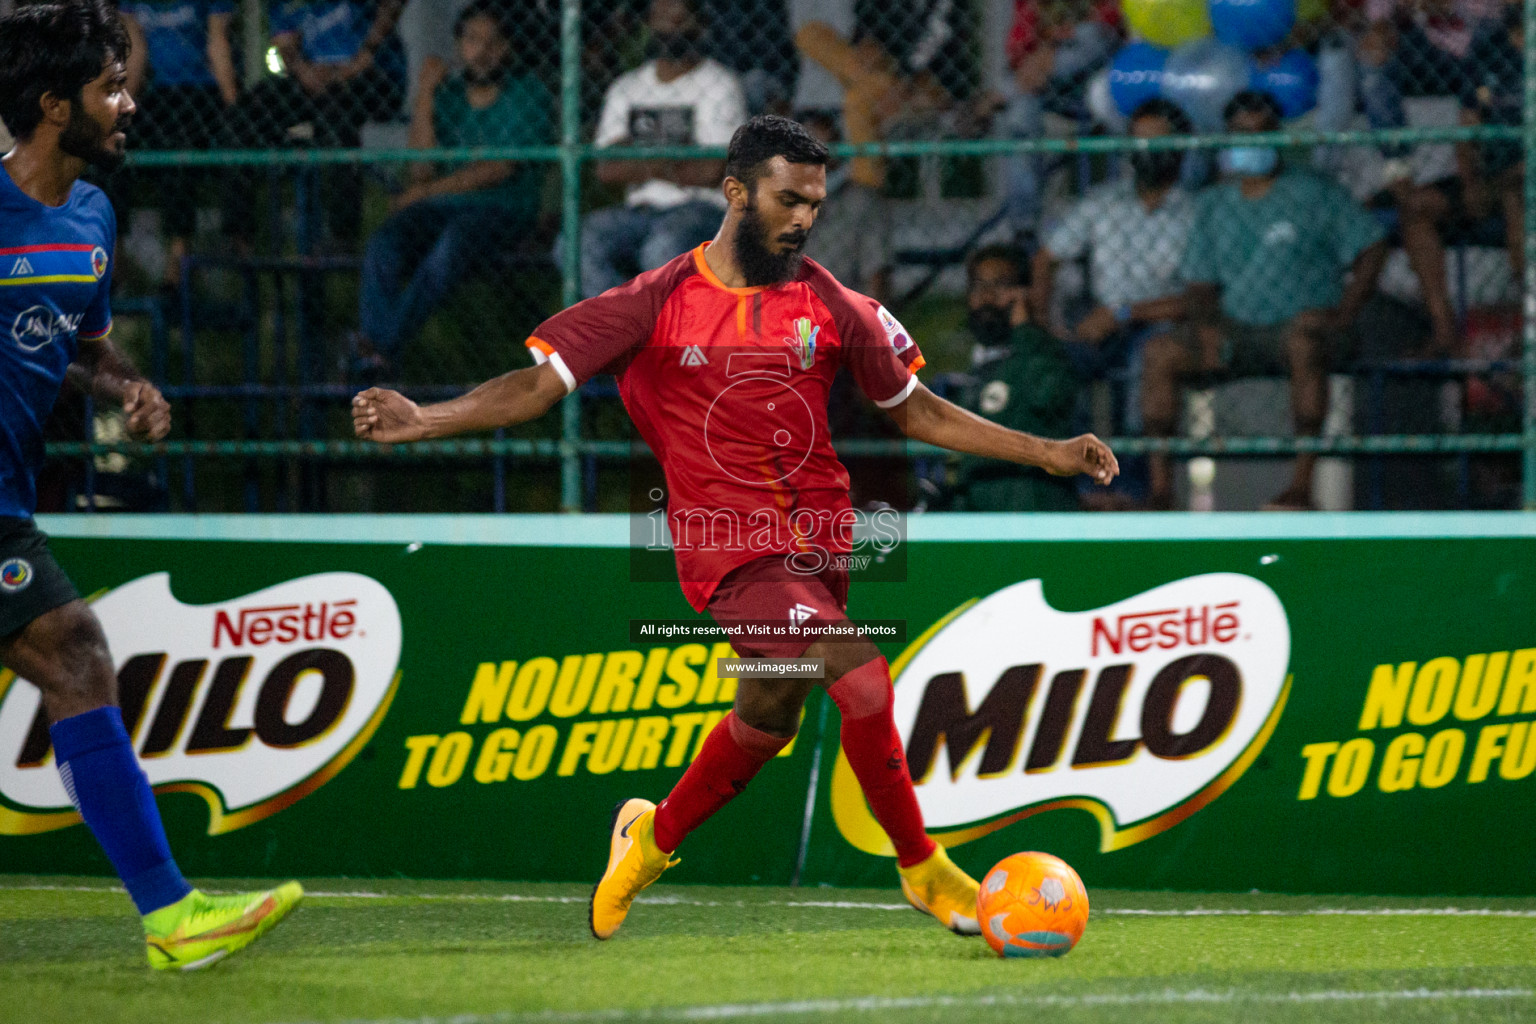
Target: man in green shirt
450	220
1266	293
1025	381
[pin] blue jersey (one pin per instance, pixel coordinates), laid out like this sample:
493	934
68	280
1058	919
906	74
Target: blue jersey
54	284
332	31
176	32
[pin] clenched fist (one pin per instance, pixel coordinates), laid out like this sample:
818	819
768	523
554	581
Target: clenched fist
387	417
149	414
1085	454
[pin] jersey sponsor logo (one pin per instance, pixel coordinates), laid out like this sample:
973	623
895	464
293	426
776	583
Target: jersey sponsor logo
22	267
800	614
99	262
15	574
692	355
803	341
1140	713
252	703
37	326
894	333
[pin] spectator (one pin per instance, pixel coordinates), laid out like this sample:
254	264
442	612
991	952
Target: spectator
183	104
1071	41
447	221
1416	48
925	38
1133	234
753	39
677	98
1024	381
344	66
1265	264
877	91
1487	192
853	230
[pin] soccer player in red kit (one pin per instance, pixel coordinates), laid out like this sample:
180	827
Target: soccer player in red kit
725	358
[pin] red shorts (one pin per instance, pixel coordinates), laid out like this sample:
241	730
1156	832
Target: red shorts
767	592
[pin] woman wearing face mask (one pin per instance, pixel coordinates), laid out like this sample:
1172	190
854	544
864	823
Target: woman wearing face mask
1266	266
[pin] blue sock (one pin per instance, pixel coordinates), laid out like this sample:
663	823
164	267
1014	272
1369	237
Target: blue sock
104	780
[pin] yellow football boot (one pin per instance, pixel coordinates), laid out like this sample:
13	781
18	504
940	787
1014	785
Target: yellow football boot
199	930
634	862
941	890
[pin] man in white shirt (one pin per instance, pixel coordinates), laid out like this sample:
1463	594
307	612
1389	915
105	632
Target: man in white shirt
677	98
1133	234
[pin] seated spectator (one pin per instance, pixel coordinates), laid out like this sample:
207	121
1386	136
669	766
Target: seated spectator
1266	263
189	85
928	39
753	39
853	230
1488	191
1071	41
677	98
877	91
1416	48
1024	380
447	221
1133	234
344	66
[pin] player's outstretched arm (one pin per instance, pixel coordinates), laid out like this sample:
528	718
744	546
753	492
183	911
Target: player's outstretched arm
926	417
388	417
108	375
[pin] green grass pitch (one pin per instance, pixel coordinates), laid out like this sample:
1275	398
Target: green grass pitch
503	953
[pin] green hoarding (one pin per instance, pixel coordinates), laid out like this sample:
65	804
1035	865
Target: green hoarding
1293	703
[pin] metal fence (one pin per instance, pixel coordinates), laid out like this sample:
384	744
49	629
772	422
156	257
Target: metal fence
345	193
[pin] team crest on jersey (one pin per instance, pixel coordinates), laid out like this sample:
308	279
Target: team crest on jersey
15	574
803	341
894	333
99	262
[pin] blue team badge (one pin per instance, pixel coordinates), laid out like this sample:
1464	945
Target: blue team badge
99	262
15	574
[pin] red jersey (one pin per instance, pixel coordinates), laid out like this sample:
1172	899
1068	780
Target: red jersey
729	388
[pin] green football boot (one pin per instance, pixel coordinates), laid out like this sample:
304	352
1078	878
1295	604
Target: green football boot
199	929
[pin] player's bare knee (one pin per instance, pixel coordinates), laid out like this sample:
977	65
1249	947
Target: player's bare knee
771	705
80	672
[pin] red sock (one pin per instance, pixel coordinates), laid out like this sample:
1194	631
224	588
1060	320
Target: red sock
731	756
873	748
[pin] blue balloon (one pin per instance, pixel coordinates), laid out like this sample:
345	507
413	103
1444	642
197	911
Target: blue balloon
1136	75
1201	77
1252	24
1292	82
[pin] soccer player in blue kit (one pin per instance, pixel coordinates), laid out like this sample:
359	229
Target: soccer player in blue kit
63	97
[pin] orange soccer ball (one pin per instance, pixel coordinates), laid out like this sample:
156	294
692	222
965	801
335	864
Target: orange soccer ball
1032	904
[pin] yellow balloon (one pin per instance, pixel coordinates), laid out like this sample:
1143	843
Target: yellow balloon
1168	23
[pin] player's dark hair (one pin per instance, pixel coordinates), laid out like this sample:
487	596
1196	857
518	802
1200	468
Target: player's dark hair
54	47
1252	101
1165	109
765	137
1003	251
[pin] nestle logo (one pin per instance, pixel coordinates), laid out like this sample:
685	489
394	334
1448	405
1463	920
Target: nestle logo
1193	626
285	624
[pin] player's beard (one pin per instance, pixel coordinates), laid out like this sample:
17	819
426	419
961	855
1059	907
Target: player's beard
759	263
84	138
